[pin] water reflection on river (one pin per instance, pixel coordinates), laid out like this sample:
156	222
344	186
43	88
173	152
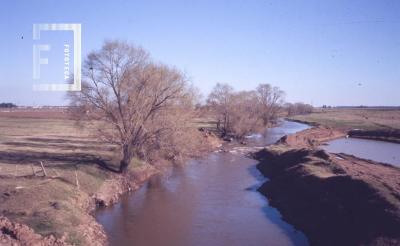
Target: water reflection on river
210	201
368	149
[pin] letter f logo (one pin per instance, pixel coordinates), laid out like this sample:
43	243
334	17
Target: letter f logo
38	60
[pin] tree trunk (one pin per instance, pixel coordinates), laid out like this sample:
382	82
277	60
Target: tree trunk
126	159
123	166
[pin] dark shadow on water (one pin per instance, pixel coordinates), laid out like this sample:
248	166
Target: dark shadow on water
258	176
272	214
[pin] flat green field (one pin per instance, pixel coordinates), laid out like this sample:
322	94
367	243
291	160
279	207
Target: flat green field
354	118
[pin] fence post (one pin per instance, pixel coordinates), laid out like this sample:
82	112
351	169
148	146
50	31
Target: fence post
76	179
44	170
33	170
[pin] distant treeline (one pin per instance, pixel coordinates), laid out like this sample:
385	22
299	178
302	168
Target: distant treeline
298	108
362	107
7	105
239	113
369	107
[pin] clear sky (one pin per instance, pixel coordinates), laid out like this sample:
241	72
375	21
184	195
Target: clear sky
336	52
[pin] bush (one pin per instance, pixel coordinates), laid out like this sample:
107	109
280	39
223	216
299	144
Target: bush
7	105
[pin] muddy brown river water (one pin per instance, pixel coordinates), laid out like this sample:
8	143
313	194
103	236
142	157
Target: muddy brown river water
209	201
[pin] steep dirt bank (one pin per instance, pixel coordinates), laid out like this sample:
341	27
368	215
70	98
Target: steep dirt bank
390	135
335	199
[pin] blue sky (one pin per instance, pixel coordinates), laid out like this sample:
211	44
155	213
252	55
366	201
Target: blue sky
321	52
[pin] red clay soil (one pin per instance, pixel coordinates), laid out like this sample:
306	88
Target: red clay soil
335	199
388	135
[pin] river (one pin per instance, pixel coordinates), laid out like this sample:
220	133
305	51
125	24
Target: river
208	201
379	151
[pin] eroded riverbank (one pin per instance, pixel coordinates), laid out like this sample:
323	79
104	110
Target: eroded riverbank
336	199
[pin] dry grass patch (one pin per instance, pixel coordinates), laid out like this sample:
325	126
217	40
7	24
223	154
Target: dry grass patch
55	204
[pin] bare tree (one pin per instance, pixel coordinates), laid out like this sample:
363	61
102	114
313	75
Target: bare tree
298	108
270	101
221	99
244	114
237	112
132	102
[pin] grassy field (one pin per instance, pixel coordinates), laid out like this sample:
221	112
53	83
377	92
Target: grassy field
54	204
354	118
